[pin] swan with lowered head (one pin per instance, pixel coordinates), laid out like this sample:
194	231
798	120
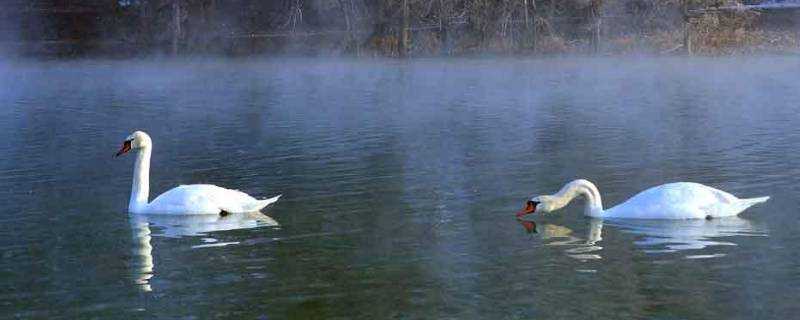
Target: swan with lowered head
678	200
185	199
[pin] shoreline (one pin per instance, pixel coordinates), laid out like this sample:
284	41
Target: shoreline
208	59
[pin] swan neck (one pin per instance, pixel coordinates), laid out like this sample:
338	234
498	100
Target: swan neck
140	191
585	189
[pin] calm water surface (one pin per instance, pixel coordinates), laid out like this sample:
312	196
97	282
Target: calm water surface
400	180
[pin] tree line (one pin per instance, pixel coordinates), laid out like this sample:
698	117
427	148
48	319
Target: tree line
360	27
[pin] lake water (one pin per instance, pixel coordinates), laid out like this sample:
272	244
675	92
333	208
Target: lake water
400	180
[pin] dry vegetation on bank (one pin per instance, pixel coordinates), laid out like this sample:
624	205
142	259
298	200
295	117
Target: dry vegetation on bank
391	27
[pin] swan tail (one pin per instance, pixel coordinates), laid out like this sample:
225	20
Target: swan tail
746	203
743	204
261	204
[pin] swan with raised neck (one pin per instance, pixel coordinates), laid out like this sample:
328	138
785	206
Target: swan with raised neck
677	200
184	199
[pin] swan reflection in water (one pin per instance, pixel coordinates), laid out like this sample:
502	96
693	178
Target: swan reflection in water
174	226
655	236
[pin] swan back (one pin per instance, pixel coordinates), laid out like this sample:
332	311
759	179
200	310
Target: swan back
680	200
202	199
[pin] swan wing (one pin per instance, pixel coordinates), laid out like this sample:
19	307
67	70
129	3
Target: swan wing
679	200
202	199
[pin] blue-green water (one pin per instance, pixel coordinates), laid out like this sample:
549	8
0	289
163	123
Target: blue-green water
400	183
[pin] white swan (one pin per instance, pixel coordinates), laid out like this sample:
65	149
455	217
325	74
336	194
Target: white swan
185	199
678	200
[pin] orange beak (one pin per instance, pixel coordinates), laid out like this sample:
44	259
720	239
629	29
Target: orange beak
530	207
126	146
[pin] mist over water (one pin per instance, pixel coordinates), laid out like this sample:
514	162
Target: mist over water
400	180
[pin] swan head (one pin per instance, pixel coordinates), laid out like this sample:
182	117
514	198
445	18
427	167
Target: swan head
541	204
135	141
